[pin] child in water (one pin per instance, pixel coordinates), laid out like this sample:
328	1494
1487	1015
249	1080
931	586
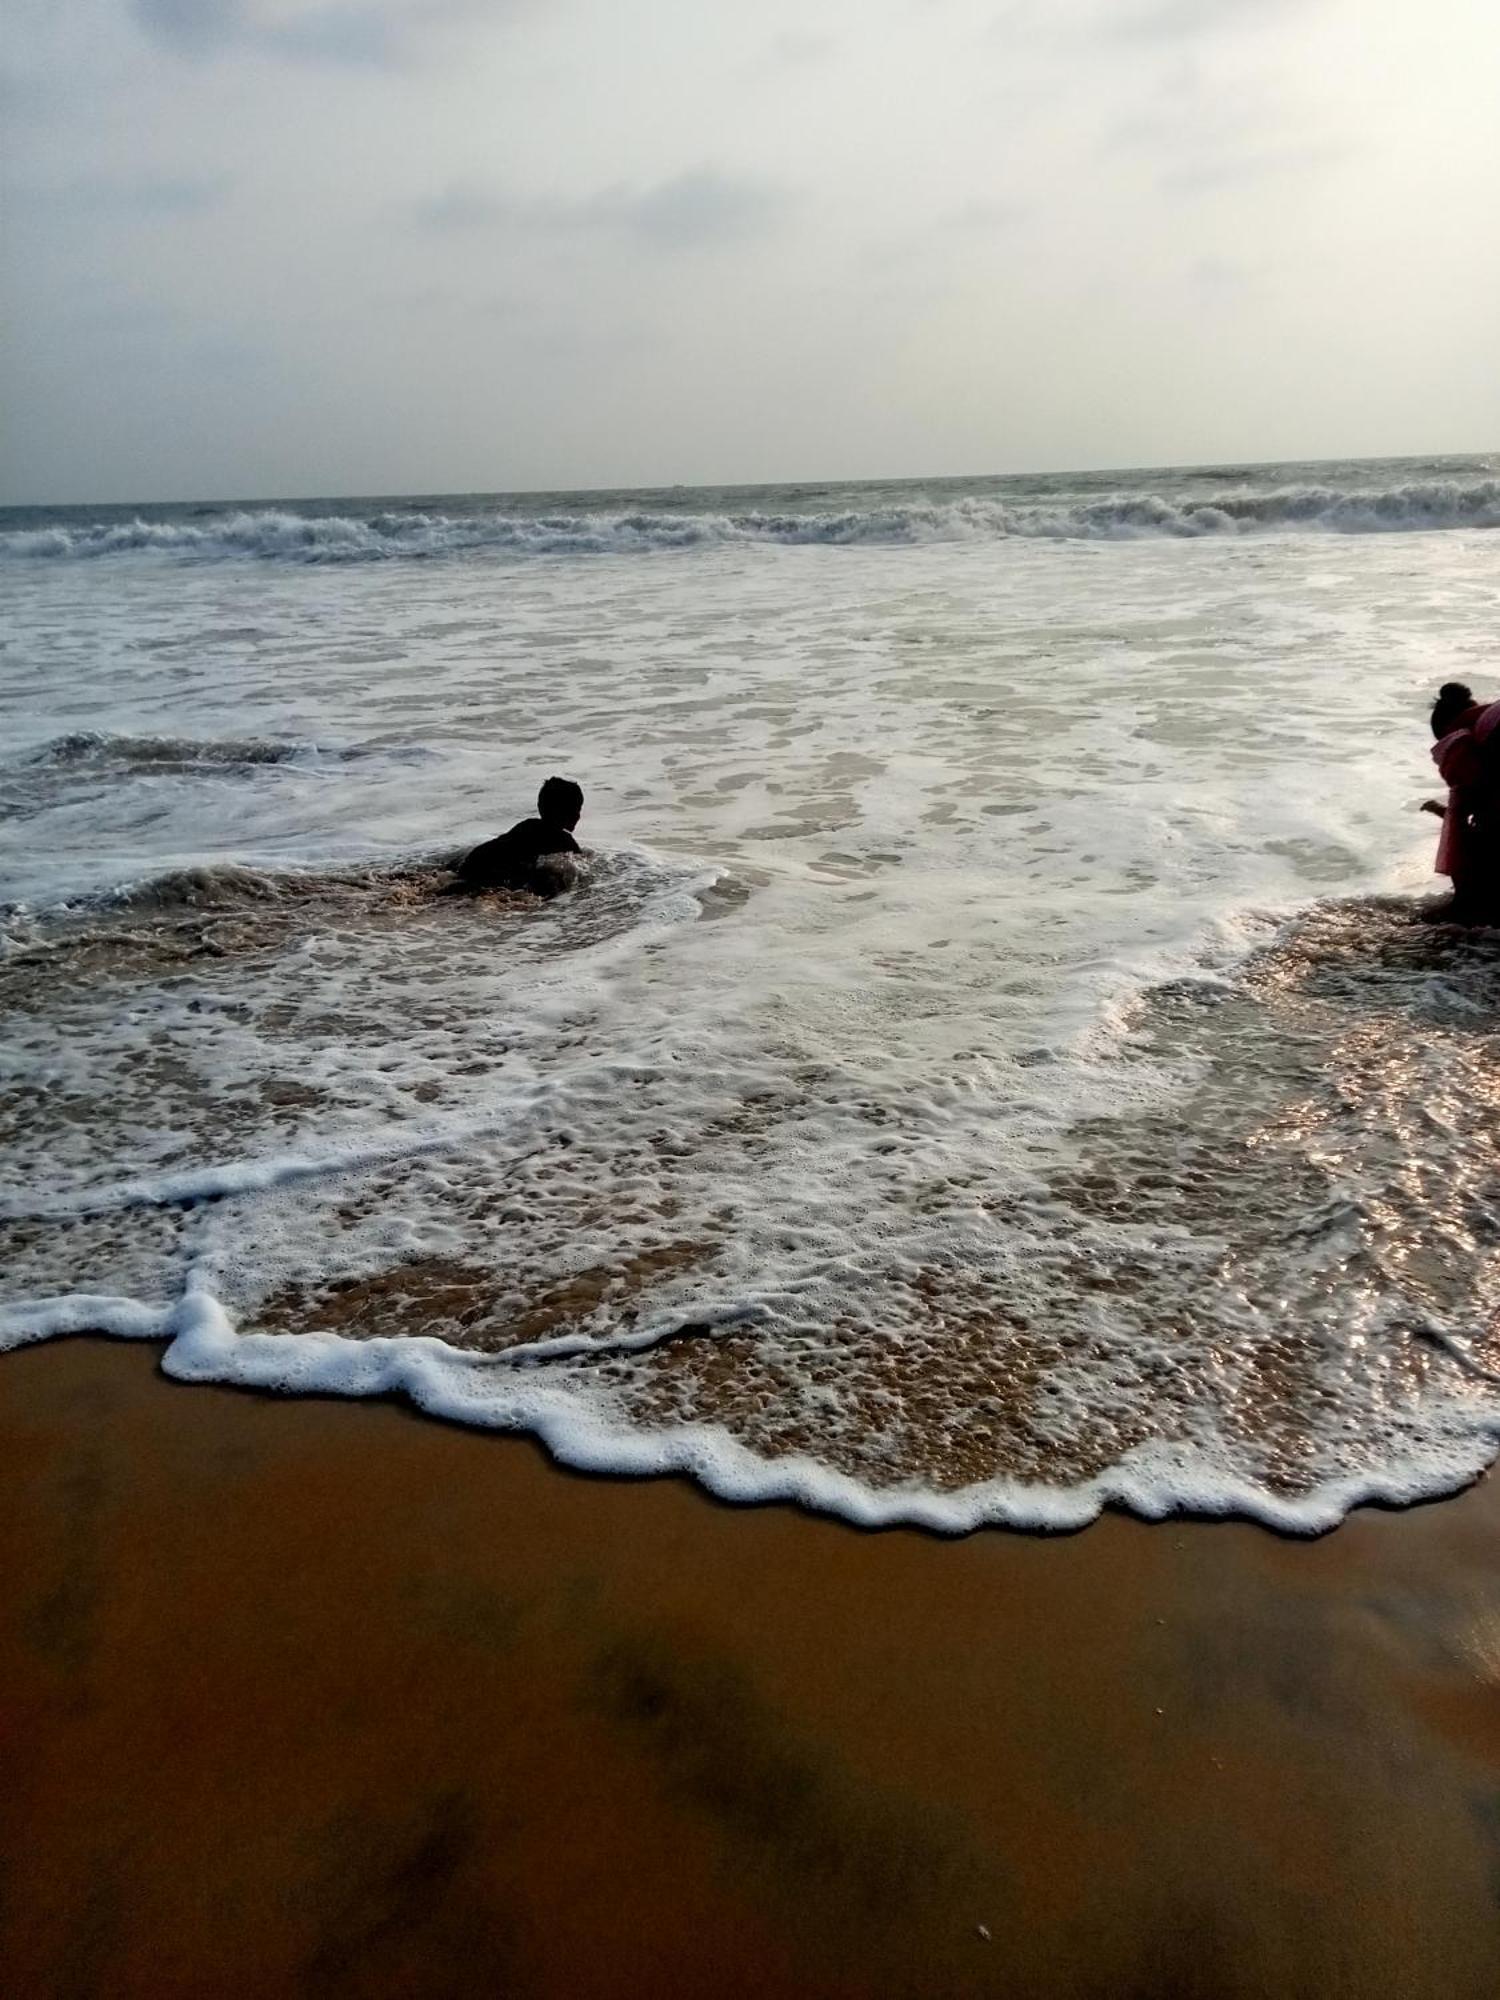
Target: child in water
536	853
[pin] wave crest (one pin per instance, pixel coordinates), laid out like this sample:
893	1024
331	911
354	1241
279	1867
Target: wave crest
278	535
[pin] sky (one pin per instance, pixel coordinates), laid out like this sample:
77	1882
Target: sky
294	247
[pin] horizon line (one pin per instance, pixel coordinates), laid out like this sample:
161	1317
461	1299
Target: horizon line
1232	467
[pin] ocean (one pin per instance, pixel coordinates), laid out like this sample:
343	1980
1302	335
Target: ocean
993	1067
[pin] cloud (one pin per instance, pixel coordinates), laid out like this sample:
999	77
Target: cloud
692	210
149	195
464	206
348	34
115	316
1200	132
799	51
1220	277
354	36
946	241
1073	25
1247	166
24	97
1166	20
193	27
984	216
699	209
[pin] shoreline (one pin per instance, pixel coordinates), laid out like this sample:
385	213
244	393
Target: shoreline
427	1379
311	1694
478	1386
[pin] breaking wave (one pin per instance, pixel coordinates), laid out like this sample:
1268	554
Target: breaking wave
278	535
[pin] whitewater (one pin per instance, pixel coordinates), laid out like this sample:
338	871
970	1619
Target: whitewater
1361	498
992	1069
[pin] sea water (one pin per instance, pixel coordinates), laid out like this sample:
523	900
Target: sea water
992	1067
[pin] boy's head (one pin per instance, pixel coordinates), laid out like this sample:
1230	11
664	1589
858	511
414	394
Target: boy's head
1453	699
560	803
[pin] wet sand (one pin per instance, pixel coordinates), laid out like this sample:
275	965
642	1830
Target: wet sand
327	1699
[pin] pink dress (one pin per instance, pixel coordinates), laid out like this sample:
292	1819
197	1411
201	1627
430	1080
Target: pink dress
1457	756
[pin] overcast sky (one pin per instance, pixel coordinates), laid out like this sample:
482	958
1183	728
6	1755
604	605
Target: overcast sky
294	247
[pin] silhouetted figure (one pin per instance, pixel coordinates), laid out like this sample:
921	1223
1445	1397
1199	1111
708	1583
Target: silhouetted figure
529	856
1466	750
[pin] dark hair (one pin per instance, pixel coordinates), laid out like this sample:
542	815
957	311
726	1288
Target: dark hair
560	799
1453	698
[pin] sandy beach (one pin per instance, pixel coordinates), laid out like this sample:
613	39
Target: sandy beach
314	1697
749	1001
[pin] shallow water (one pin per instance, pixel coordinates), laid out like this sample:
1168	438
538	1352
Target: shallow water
993	1067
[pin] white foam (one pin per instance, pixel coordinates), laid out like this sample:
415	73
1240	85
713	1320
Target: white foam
282	535
230	1178
1152	1482
888	859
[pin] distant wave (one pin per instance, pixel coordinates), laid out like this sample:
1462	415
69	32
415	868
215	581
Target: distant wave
278	535
96	750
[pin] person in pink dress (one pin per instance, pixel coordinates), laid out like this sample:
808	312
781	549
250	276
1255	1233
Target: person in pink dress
1466	750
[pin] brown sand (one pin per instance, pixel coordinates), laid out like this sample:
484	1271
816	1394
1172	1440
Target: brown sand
325	1699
